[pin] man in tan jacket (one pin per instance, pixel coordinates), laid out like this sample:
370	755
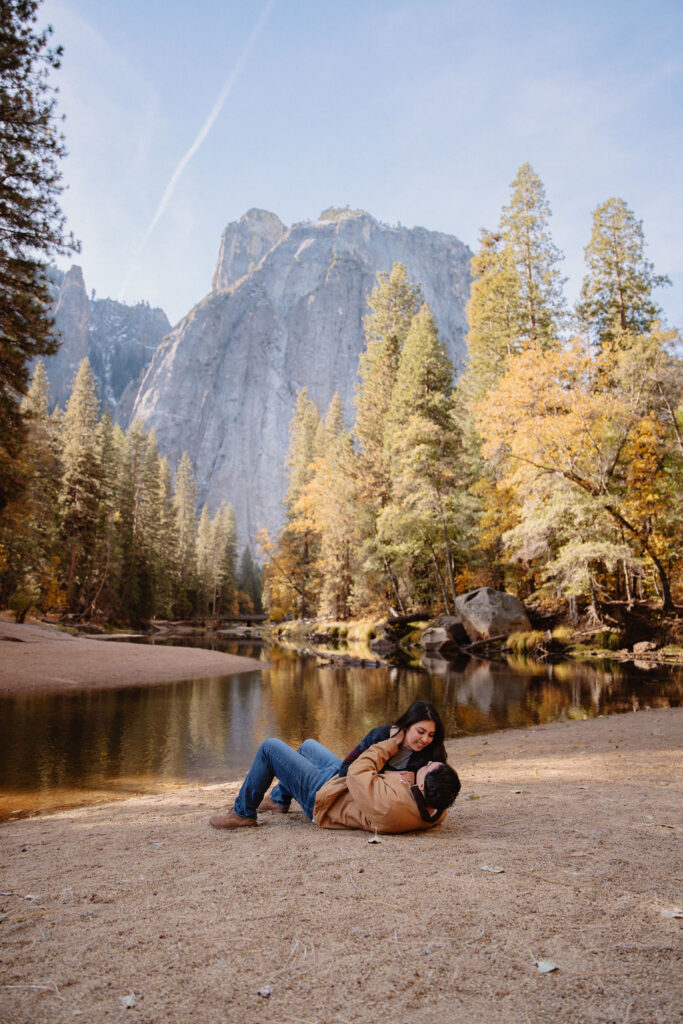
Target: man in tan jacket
366	798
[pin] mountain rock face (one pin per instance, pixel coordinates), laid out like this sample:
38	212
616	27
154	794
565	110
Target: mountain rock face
243	245
223	384
118	340
71	321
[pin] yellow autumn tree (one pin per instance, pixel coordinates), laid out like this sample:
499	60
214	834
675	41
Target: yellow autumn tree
595	425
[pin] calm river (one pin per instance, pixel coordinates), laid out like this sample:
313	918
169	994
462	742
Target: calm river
64	749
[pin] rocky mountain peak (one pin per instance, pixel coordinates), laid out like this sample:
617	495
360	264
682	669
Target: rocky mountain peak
286	312
119	341
71	322
243	244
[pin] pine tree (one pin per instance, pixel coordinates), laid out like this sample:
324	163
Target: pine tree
524	227
225	577
493	315
168	553
31	222
616	295
419	524
393	304
29	525
150	515
292	574
205	560
516	302
303	431
80	495
185	501
329	503
516	298
249	584
110	444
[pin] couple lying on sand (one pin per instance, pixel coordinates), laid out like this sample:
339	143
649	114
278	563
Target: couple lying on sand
395	780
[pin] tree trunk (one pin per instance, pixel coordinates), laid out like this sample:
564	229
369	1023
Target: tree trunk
441	581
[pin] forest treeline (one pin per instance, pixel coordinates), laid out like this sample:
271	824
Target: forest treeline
553	468
102	529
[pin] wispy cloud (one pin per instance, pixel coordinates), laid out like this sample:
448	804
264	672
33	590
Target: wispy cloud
201	136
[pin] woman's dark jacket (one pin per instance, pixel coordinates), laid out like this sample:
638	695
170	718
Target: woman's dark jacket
418	758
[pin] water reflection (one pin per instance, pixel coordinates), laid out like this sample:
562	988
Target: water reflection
66	748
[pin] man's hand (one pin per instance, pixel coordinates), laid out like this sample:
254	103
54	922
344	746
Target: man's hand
397	734
408	778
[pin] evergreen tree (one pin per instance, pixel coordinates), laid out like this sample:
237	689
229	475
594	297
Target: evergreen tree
524	227
418	526
168	548
329	502
31	221
150	514
185	501
225	576
80	493
137	501
205	560
516	298
29	526
516	302
110	444
249	584
393	304
493	315
303	432
616	295
292	573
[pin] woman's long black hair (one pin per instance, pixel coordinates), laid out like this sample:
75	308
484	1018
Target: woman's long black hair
421	711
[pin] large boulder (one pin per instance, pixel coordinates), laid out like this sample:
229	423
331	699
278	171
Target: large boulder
453	627
437	639
487	613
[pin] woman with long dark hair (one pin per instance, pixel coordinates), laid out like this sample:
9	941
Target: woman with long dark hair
422	742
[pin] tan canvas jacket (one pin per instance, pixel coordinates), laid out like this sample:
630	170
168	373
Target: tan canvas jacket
365	799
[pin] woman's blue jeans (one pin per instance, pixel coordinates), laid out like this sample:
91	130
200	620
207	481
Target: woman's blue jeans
300	773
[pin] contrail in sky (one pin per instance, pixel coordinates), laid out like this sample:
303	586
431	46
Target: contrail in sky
203	132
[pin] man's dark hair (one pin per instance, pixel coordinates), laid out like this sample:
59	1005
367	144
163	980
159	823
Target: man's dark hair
441	786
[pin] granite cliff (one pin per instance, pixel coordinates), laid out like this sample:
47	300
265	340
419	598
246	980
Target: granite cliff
286	311
119	341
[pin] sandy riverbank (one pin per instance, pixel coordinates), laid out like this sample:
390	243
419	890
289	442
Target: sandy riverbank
143	901
34	657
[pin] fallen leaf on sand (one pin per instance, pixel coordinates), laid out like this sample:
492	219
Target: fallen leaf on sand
128	1002
265	991
674	912
375	839
546	966
493	869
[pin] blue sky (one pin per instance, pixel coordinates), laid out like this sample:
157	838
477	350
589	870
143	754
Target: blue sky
419	112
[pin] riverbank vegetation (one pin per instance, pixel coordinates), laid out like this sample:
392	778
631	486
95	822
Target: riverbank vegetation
552	469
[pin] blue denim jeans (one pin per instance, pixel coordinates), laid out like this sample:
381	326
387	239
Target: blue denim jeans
300	773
